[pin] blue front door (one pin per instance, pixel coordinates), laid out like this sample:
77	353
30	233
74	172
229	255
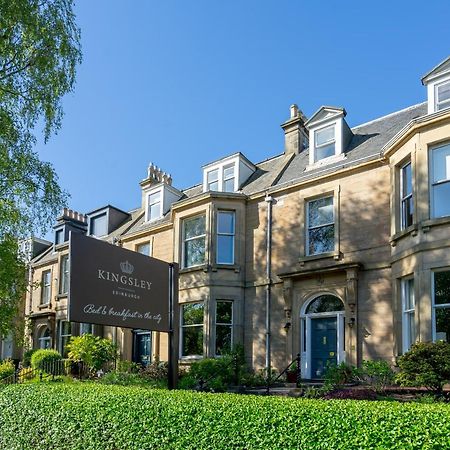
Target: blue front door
323	344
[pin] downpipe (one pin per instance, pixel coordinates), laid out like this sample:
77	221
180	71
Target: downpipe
269	200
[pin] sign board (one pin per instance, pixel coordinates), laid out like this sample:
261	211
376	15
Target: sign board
110	285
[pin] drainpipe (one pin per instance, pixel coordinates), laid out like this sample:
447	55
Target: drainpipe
269	201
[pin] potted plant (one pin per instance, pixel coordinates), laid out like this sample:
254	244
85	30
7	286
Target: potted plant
291	373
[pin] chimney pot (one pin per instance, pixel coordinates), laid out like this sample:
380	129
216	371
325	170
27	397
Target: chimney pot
294	111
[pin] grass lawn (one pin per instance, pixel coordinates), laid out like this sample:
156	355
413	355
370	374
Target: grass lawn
91	416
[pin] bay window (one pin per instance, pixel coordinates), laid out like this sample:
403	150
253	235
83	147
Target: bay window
320	226
408	308
441	306
224	326
440	181
194	241
225	237
192	329
406	196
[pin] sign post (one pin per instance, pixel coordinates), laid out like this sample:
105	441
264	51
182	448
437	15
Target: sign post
113	286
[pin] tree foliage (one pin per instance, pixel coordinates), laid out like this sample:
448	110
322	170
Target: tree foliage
39	53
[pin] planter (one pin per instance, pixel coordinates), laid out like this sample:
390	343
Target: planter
291	377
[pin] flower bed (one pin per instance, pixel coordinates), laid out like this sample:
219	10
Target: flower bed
92	416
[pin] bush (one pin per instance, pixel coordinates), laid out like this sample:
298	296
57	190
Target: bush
42	359
125	366
27	357
7	368
351	394
97	417
212	374
337	375
427	365
378	374
156	371
93	351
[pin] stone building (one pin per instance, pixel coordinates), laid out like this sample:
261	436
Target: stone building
337	248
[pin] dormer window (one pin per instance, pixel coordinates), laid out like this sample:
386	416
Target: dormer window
442	95
324	143
329	136
227	174
154	205
59	236
98	225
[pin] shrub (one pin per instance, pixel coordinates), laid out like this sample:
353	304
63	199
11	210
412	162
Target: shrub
27	357
351	394
156	371
42	359
427	365
378	374
337	375
93	351
212	373
96	417
6	368
128	366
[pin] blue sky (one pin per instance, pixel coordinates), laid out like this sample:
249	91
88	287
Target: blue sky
182	83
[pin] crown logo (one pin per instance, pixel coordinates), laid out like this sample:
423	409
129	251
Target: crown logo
126	267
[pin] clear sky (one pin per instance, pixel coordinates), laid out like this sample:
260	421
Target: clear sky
182	83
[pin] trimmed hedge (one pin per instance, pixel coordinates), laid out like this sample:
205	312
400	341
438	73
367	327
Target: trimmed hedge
91	416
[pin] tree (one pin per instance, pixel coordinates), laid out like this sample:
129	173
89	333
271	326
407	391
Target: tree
39	52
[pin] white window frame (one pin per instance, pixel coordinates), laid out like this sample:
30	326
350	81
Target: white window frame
332	141
436	96
233	235
231	325
227	178
405	198
150	248
64	275
408	314
183	327
93	218
46	288
433	303
147	213
308	228
184	240
209	183
221	178
435	183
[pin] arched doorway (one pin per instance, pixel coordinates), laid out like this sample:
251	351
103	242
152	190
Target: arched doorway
322	336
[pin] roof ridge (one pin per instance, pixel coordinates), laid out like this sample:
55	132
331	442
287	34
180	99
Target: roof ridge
389	115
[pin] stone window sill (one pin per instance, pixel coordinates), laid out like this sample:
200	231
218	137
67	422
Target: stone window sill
236	268
202	267
427	224
411	230
44	306
334	255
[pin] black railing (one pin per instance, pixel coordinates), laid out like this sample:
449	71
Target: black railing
48	370
296	363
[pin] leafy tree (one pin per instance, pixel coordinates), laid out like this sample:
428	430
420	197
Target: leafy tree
39	53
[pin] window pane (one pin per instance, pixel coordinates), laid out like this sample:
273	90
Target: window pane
228	172
406	180
194	252
441	203
213	186
325	152
192	341
144	249
59	237
441	288
444	92
407	212
321	240
411	328
154	198
224	311
325	135
443	324
225	249
193	314
213	175
325	303
223	339
99	225
228	185
154	211
225	222
441	163
194	227
64	275
409	292
320	212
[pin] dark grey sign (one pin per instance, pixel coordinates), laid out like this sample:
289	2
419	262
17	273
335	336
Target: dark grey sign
110	285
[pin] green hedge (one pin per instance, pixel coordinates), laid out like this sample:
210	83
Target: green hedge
92	416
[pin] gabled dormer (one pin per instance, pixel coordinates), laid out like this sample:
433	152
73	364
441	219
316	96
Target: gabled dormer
329	135
103	221
227	174
69	221
158	194
437	82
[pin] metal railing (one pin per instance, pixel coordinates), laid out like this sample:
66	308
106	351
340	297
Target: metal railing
297	362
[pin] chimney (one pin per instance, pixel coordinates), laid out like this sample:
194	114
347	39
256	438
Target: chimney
295	134
154	176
